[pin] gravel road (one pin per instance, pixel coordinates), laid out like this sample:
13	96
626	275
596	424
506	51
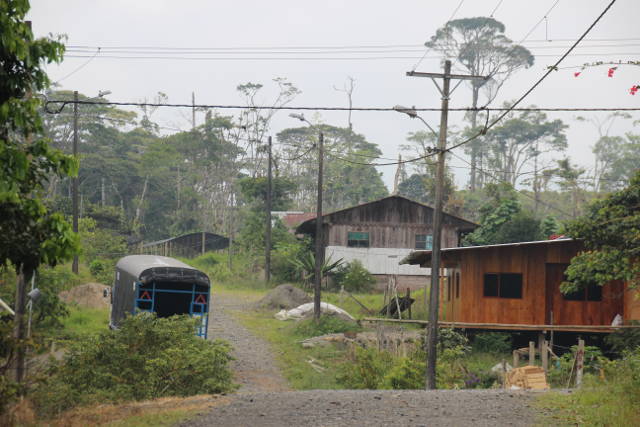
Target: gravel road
264	398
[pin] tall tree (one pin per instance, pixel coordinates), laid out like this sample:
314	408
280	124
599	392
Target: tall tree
30	234
420	145
521	140
480	46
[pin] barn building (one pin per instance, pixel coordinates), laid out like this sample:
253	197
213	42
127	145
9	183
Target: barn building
517	285
382	232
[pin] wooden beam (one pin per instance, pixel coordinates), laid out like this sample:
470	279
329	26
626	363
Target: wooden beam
510	326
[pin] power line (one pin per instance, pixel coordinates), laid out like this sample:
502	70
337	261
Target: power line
80	67
496	8
63	103
429	49
536	84
540	21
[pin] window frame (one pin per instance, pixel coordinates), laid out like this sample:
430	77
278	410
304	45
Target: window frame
428	239
499	293
367	240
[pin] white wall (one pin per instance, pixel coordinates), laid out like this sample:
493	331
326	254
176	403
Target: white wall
378	260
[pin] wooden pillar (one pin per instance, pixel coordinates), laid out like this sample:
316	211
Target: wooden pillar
544	356
579	362
532	353
516	358
203	240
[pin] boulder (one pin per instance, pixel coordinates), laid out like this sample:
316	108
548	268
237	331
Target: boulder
284	297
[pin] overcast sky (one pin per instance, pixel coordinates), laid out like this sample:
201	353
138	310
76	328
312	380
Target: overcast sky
379	82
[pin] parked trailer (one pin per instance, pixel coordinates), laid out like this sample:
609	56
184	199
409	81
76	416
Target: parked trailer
161	285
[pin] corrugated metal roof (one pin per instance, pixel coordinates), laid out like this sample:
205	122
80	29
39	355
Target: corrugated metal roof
419	257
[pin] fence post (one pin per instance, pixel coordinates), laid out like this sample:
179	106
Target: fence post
532	353
579	362
516	358
544	356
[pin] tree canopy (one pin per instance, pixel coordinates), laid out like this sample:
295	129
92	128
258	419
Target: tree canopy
30	234
610	231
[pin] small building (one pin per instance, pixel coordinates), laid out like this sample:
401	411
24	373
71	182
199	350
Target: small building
511	285
292	219
382	232
187	245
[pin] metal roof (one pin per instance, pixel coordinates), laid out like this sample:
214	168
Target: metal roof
419	257
307	223
136	264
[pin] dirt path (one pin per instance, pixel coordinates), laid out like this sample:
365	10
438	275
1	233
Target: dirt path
255	368
264	400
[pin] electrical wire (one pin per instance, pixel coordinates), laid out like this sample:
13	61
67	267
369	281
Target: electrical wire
429	49
80	67
63	103
495	8
536	84
540	21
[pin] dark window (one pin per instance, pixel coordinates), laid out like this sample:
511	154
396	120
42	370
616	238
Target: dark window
503	285
448	290
457	285
491	285
591	292
594	292
424	241
357	239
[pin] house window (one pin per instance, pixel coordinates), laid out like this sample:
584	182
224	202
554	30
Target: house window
591	292
357	239
503	285
424	241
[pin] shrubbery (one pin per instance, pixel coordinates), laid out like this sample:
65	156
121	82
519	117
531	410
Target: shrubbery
327	325
354	277
492	342
148	357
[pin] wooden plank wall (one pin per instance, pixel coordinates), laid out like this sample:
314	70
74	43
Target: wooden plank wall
391	223
532	308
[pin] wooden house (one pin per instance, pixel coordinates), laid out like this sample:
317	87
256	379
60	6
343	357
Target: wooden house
382	232
503	286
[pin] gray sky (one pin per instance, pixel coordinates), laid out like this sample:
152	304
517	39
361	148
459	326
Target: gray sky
379	82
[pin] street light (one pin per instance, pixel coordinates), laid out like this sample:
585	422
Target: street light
411	112
318	237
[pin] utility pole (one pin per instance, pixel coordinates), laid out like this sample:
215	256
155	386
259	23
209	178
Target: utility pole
193	110
74	180
319	254
432	335
267	239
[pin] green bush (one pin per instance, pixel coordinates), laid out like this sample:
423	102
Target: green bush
148	357
282	269
448	338
216	266
406	374
354	277
367	370
562	370
102	270
327	325
624	339
492	342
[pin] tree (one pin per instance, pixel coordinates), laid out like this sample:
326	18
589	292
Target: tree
480	46
610	231
502	219
570	181
420	145
30	234
617	160
521	140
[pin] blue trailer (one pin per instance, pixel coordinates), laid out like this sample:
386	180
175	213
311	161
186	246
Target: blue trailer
161	285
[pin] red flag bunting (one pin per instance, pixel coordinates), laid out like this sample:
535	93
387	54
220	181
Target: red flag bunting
611	71
634	89
576	74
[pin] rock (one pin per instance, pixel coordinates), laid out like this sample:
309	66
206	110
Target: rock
284	297
89	295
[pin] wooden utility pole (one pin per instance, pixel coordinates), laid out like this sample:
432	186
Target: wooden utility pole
432	335
74	180
193	110
267	238
319	254
579	362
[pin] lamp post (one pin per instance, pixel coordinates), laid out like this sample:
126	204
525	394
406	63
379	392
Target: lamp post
318	236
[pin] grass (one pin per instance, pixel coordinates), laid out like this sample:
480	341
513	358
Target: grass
292	358
83	321
595	404
159	412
